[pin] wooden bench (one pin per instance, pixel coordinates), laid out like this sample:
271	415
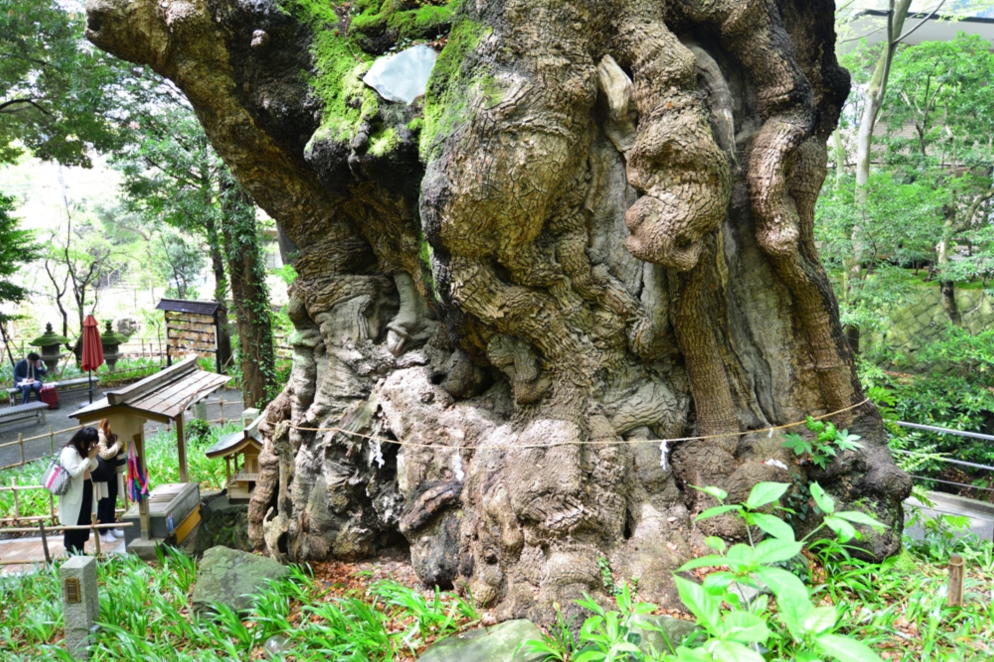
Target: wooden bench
61	385
18	412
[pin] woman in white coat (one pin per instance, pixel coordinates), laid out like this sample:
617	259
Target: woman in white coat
79	457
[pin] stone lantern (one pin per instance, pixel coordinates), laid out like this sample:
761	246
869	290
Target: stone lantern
110	342
49	343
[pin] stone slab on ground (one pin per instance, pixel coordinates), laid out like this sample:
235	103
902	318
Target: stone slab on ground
660	634
231	577
498	643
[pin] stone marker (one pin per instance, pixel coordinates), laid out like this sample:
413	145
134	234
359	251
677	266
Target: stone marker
499	643
80	604
230	576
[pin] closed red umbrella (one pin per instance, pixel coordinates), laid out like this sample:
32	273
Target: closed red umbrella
93	351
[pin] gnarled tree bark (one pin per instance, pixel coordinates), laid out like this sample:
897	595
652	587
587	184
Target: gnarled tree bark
598	237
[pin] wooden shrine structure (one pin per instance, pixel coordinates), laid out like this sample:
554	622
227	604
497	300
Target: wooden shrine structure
162	397
247	444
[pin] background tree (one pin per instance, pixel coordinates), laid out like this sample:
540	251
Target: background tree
939	134
178	261
249	293
17	251
56	91
510	292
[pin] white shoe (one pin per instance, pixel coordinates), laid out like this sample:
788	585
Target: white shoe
108	537
117	533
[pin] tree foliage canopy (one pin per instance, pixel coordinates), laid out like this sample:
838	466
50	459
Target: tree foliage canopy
58	92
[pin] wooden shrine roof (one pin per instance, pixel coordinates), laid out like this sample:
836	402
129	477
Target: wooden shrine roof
187	306
159	397
236	442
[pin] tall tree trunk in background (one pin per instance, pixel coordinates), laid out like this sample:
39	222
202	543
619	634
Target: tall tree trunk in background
249	293
589	241
220	293
873	99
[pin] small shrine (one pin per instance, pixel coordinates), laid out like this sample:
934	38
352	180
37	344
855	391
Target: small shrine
170	511
240	451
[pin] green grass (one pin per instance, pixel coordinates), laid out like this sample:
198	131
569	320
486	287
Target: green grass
161	460
145	615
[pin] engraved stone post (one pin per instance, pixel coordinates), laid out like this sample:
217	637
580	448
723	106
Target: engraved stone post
80	603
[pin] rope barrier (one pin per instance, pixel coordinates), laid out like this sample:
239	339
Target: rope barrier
578	442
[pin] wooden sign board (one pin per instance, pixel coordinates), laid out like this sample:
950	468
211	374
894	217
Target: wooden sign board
190	333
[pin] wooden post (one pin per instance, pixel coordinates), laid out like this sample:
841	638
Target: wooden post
143	516
44	542
184	476
95	531
954	597
20	441
220	405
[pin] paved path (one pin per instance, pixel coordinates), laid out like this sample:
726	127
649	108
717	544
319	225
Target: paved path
60	419
980	513
31	552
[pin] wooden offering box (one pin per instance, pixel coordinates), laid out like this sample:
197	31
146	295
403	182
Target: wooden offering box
174	511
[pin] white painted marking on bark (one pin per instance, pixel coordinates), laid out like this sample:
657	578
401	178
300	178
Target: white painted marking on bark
457	467
664	449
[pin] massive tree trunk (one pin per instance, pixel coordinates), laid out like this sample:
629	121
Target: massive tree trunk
593	233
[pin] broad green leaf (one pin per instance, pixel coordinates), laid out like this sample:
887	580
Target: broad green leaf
716	543
700	603
764	493
774	550
719	581
684	654
717	510
846	649
819	619
843	529
773	525
712	560
796	443
730	651
711	490
792	597
740	553
744	627
824	502
861	518
847	442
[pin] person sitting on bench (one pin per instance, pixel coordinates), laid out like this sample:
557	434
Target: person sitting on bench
27	375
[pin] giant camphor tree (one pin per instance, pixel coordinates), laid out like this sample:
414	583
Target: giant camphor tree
592	233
